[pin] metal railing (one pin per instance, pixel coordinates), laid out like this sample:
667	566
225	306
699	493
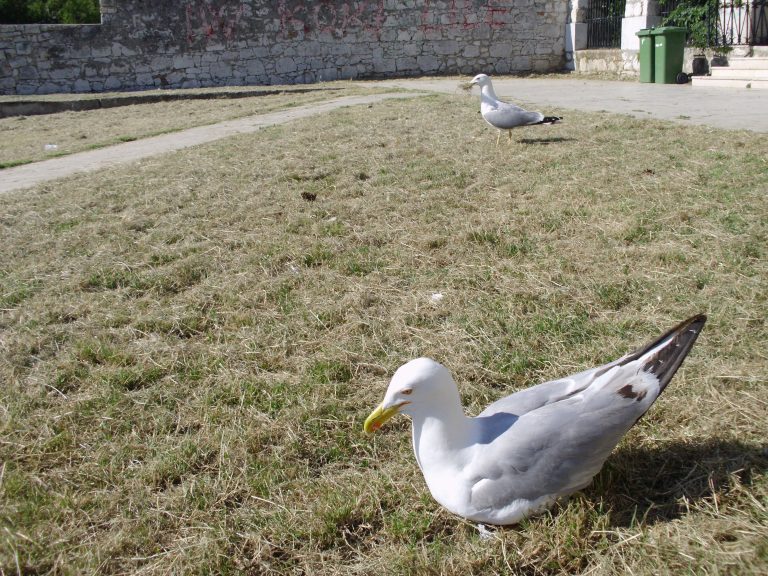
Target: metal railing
718	22
604	23
734	22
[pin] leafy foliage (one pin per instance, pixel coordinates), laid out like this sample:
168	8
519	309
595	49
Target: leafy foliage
692	15
49	12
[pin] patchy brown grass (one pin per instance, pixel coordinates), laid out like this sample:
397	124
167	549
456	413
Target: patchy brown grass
189	345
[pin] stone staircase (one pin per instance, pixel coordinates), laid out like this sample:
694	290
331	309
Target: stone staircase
740	72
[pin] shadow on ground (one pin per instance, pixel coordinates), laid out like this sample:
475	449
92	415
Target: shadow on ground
545	141
653	484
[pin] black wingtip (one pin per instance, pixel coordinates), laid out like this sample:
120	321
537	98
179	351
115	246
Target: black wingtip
672	348
550	120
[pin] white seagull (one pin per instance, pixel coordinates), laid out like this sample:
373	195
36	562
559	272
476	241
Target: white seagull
527	450
503	115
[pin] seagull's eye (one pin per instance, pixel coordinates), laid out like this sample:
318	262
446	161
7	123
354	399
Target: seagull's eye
406	392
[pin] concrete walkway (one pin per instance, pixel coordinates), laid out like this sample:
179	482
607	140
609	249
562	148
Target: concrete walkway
29	175
727	108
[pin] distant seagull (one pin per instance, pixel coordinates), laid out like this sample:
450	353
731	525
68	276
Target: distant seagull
502	115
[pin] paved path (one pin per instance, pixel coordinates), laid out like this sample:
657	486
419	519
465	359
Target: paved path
729	108
32	174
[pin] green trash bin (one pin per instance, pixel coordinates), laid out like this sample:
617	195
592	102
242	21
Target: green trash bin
668	47
646	54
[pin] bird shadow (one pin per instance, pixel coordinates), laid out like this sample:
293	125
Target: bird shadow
658	484
546	141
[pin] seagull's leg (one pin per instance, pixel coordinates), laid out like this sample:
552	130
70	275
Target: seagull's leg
509	133
484	533
497	138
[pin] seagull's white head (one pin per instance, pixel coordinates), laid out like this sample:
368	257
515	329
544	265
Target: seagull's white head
415	386
481	80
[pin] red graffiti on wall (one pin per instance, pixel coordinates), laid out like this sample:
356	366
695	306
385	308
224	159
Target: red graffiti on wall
208	23
466	14
304	18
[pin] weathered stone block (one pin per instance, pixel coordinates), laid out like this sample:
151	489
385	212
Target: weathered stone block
75	52
161	63
183	61
23	48
61	74
28	73
48	88
113	83
406	64
285	65
221	70
384	66
25	89
404	35
471	51
255	68
427	63
409	50
81	85
103	51
145	79
446	47
502	66
501	50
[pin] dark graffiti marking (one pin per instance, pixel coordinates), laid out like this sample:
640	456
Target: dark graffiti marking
208	23
467	14
212	21
302	19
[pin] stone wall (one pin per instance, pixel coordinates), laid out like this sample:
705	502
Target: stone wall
143	44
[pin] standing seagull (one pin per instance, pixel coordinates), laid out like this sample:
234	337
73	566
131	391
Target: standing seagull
527	450
503	115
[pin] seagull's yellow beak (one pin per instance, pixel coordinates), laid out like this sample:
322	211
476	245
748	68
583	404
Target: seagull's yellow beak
379	416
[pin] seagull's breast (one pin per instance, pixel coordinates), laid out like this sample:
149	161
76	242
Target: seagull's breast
449	487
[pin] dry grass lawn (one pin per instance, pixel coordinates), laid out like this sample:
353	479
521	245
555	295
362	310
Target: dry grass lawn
23	139
189	345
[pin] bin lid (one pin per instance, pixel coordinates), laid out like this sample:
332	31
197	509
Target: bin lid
664	30
645	32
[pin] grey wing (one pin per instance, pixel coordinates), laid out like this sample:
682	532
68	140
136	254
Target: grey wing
507	116
554	450
662	357
548	392
557	447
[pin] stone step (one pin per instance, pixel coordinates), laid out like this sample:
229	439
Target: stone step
712	82
726	72
752	63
